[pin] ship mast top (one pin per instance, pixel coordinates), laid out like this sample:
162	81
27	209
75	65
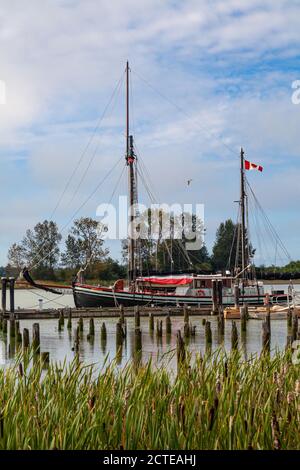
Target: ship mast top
130	159
244	250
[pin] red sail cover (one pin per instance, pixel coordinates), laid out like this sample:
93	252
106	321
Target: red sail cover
178	281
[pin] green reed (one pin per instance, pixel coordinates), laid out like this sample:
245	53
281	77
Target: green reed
217	402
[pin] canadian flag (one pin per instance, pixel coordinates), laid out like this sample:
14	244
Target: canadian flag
252	166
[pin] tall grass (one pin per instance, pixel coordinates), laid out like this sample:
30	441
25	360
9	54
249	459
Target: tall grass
219	402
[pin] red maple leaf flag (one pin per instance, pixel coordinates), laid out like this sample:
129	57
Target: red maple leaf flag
252	166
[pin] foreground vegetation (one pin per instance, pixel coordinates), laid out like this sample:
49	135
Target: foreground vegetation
217	403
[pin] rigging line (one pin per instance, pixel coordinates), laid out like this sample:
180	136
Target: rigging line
46	298
207	131
88	144
117	87
233	239
82	205
272	229
180	244
115	95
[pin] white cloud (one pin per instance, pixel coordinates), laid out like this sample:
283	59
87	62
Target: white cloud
61	61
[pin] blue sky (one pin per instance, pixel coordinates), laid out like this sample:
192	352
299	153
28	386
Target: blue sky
229	65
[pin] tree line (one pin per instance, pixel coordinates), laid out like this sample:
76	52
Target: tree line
40	250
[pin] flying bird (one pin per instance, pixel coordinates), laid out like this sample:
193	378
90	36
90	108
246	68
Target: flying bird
189	182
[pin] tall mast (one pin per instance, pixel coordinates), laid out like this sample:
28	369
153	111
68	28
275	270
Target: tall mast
243	218
130	158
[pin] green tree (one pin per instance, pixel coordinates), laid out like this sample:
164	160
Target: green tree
224	246
84	245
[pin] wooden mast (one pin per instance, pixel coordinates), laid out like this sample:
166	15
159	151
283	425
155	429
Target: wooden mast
130	158
243	218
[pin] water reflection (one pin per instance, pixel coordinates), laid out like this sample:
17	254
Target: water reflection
139	346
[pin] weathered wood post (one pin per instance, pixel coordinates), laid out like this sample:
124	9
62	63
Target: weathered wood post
122	318
12	327
159	328
36	337
137	320
138	340
151	322
69	324
234	336
243	315
77	338
91	328
3	293
186	317
214	297
103	332
103	337
236	292
12	294
25	339
289	317
168	324
208	334
266	336
221	323
220	294
180	347
294	326
80	324
4	326
268	316
119	335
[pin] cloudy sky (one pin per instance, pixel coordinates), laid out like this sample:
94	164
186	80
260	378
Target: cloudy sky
207	77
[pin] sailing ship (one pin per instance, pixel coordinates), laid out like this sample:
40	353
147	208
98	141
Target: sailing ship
175	290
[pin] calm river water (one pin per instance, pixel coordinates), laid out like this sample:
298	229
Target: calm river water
60	343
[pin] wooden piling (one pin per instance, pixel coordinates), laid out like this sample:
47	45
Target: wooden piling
234	336
168	325
289	317
36	337
119	334
69	323
236	291
180	347
103	332
12	294
266	336
214	297
186	317
137	320
122	318
25	339
91	328
159	328
208	334
3	293
4	328
12	327
243	315
137	340
151	322
220	293
221	323
294	327
80	324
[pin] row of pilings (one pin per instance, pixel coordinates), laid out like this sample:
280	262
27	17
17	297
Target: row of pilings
5	283
156	327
